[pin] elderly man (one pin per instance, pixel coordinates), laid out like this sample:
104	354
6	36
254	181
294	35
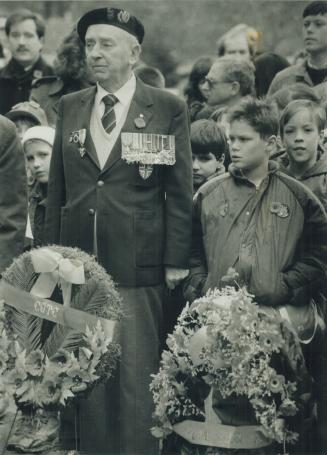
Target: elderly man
120	186
313	71
25	33
228	81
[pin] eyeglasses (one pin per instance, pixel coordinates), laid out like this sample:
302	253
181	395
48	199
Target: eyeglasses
212	83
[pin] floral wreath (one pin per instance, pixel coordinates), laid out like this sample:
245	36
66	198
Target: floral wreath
43	365
225	342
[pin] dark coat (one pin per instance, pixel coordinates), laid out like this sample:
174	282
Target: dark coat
276	238
142	224
16	83
47	93
37	208
315	178
13	194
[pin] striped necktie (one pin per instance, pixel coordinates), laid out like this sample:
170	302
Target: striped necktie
109	118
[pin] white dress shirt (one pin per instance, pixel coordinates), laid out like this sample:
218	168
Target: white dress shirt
104	142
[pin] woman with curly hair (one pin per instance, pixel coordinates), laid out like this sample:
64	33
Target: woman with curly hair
71	75
195	92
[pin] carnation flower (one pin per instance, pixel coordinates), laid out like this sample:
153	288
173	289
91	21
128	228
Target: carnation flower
276	383
49	392
64	359
34	363
78	376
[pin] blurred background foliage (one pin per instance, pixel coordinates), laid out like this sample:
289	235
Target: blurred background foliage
180	31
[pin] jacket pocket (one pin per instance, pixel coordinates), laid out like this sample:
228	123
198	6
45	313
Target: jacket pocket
148	237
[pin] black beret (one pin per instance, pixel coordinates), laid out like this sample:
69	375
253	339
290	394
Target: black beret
111	16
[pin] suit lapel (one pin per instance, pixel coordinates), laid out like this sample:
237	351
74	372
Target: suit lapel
141	104
87	102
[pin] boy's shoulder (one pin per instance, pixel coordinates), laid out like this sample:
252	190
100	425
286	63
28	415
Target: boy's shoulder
213	184
301	192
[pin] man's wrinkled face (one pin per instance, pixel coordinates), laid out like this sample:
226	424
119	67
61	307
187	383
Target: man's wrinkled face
24	42
219	90
109	52
315	33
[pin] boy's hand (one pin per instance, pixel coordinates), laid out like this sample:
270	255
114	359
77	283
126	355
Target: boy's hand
173	276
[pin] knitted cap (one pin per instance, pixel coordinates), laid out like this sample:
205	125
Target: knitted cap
41	133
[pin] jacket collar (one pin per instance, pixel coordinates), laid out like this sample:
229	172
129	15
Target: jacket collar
15	69
273	167
301	73
39	194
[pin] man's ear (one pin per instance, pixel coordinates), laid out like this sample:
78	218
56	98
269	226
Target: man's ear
271	144
135	53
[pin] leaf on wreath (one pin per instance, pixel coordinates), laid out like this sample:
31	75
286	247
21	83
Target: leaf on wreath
65	394
89	298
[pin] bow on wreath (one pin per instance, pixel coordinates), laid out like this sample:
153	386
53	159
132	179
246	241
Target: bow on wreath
55	270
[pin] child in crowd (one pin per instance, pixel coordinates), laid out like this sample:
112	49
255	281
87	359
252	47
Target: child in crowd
25	115
37	145
270	228
256	219
209	151
301	127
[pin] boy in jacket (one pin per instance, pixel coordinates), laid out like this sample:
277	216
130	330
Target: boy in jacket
261	222
270	228
301	127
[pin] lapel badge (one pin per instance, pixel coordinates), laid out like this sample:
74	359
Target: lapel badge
145	170
78	137
223	209
281	210
37	74
140	122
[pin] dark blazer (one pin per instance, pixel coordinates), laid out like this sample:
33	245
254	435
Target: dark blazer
16	83
143	224
13	194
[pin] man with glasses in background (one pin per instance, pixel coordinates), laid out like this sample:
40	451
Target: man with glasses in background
228	81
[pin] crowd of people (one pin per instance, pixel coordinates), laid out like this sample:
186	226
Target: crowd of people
168	193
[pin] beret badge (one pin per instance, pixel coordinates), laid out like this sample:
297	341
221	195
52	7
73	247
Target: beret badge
123	16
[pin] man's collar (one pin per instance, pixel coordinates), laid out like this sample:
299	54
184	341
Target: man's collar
124	94
14	67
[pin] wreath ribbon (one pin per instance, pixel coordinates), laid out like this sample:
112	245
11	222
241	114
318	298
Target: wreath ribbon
55	269
53	311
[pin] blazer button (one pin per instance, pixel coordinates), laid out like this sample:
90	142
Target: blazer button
91	212
100	183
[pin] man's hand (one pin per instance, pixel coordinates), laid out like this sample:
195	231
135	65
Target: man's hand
174	276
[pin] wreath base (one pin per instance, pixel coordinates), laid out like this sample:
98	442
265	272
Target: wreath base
35	434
